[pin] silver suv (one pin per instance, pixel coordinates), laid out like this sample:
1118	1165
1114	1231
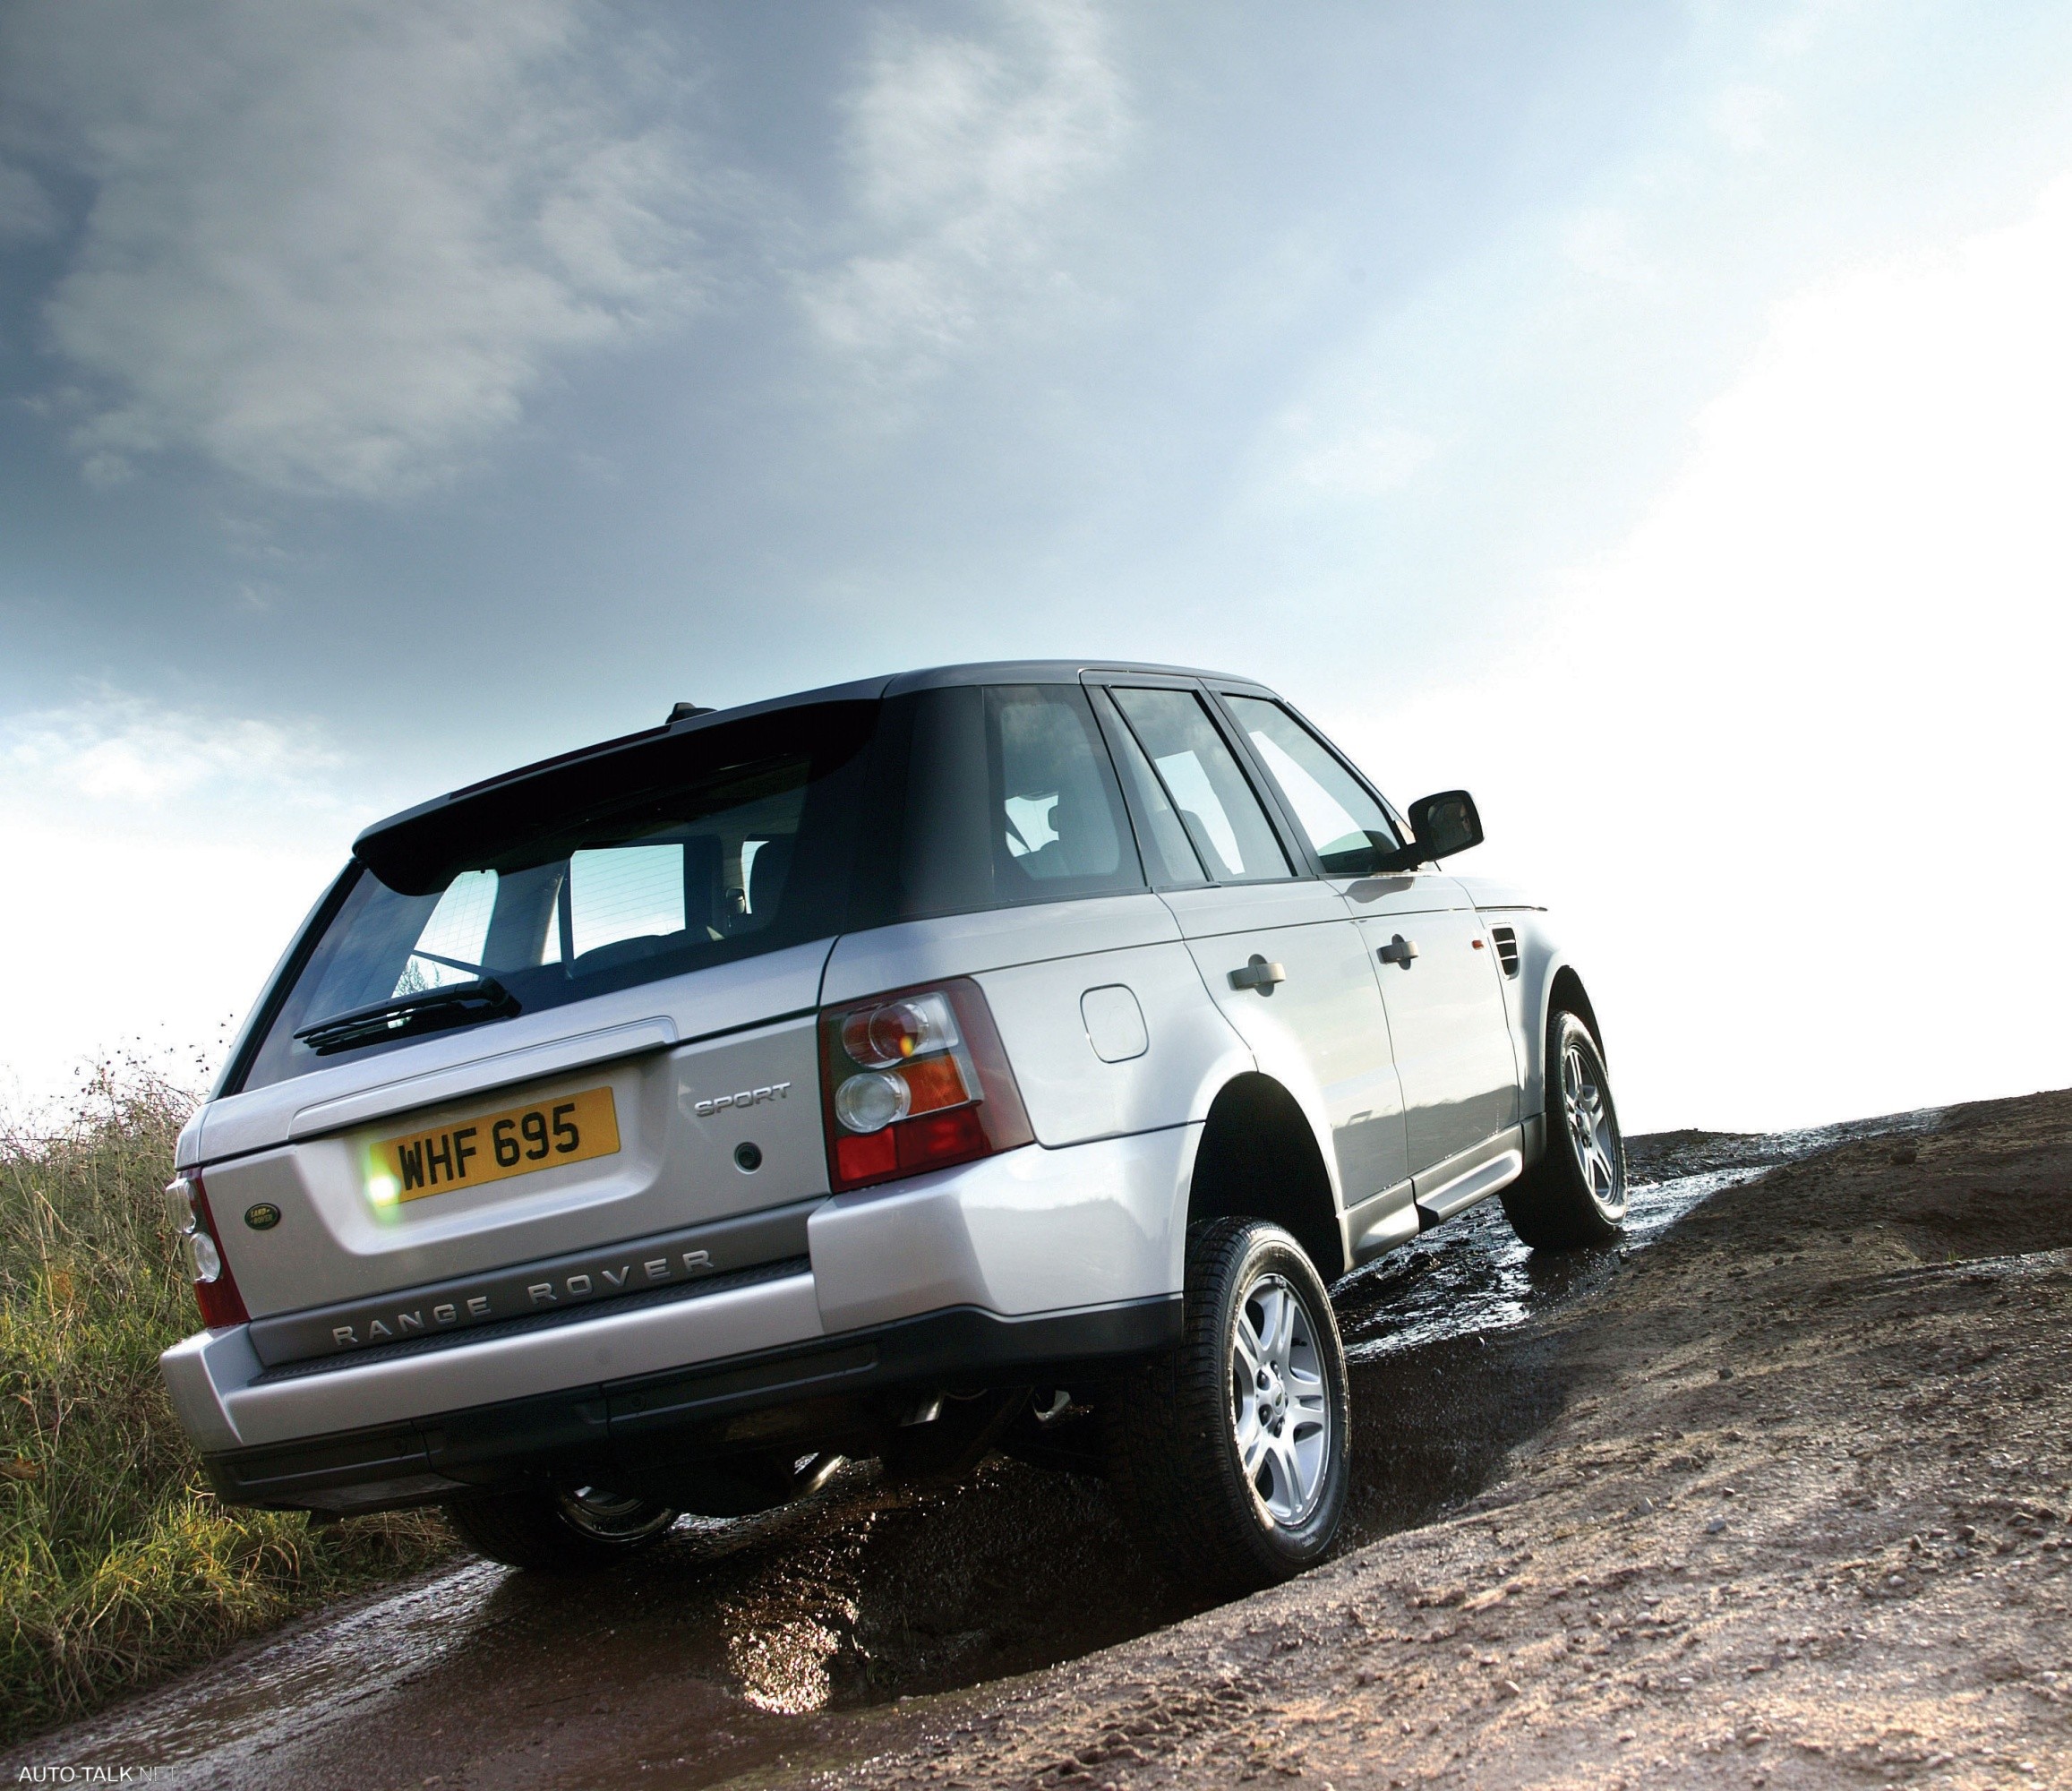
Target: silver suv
994	1057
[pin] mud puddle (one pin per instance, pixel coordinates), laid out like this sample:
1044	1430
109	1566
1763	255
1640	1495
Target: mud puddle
1471	1276
744	1644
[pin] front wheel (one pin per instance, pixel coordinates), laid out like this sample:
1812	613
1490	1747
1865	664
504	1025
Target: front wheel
1576	1194
1231	1451
574	1531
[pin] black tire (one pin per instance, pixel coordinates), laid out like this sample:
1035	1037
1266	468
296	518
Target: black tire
579	1531
1175	1426
1576	1194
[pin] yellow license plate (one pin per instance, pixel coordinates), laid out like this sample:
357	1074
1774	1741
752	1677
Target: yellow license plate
495	1146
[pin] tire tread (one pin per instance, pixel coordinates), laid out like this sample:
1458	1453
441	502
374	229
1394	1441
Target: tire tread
1167	1457
1548	1206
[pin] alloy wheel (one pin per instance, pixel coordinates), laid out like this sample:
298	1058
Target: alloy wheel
1593	1131
1280	1408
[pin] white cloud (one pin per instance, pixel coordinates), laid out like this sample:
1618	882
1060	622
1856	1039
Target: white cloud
1744	115
1599	241
163	858
1793	759
336	246
966	157
112	750
1366	461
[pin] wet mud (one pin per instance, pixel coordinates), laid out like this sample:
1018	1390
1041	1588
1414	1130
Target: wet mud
1802	1519
761	1646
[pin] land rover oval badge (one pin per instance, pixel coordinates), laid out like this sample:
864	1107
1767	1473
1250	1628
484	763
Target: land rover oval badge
263	1217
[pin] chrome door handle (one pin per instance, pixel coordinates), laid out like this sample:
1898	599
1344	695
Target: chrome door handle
1258	974
1399	950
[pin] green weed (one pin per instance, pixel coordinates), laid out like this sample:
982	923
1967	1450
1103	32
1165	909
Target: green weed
116	1561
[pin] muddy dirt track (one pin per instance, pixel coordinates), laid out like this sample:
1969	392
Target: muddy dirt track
1779	1498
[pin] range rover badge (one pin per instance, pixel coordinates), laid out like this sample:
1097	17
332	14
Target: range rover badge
263	1217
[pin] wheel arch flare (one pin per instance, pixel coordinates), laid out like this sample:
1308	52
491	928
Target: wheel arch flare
1258	1158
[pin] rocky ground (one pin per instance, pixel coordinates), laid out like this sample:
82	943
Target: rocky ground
1779	1500
1801	1519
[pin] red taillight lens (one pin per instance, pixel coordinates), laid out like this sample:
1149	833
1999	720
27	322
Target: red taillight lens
215	1286
937	1138
915	1080
871	1157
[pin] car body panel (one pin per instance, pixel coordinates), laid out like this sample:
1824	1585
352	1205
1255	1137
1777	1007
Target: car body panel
1322	1033
1529	991
1027	1231
335	1240
899	956
1187	1050
1447	1016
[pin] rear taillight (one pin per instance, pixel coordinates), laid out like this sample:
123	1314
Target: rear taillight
215	1286
915	1080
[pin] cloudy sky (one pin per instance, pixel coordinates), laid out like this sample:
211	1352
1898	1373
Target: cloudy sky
1652	416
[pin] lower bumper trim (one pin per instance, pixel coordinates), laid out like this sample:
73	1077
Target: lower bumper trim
630	1426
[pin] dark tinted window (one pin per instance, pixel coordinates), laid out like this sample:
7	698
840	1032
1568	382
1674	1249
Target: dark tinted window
1345	824
663	857
1169	857
1009	797
1223	820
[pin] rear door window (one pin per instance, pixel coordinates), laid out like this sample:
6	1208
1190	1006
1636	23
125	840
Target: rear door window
1169	856
1217	809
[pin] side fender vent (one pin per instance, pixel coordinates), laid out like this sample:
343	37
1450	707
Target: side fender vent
1506	939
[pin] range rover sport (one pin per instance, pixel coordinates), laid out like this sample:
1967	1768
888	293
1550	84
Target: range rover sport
991	1057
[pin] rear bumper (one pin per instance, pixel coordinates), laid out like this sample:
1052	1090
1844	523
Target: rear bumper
1024	1259
621	1433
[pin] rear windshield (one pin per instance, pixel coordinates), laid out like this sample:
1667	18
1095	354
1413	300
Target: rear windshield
663	857
677	853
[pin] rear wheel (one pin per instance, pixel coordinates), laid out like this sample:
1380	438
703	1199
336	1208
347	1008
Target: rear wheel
1576	1194
1231	1451
576	1532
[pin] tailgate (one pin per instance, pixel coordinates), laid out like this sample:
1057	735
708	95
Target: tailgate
513	1174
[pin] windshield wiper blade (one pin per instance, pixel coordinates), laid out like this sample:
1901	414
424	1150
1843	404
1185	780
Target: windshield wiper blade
431	1011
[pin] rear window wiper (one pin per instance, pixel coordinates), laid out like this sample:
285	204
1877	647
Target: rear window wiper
431	1011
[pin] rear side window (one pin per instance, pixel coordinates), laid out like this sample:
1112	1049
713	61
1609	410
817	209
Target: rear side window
663	858
1169	855
1009	797
1224	822
1345	824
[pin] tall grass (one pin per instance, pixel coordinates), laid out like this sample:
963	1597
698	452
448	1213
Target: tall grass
116	1561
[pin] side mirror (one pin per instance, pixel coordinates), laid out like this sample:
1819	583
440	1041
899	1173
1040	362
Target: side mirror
1445	824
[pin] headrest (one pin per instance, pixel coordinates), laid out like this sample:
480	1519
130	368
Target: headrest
771	864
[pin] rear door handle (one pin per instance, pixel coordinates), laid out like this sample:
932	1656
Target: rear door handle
1258	974
1400	950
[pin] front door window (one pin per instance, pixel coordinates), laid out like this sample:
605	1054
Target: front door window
1345	824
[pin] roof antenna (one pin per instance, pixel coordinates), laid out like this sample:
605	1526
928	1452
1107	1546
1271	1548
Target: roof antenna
683	711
